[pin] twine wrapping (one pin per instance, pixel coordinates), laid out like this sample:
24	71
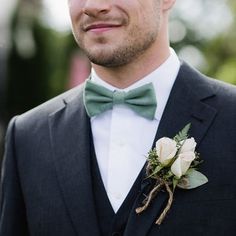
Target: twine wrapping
158	186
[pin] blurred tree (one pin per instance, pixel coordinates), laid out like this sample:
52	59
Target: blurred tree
38	60
205	40
221	52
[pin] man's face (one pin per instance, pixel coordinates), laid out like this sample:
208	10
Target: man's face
114	33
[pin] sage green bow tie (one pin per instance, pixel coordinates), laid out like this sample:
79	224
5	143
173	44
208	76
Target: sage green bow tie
98	99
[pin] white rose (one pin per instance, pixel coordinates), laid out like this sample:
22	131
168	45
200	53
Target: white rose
189	145
182	163
166	149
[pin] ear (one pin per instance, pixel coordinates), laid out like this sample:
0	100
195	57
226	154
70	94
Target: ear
167	4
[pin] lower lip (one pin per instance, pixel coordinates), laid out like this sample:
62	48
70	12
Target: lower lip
102	29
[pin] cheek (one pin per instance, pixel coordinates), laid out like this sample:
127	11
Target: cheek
75	8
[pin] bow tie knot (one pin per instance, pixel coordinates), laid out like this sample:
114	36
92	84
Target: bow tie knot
98	99
118	97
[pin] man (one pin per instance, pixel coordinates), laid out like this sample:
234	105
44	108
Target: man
76	168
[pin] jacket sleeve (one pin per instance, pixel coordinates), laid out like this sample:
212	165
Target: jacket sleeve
12	209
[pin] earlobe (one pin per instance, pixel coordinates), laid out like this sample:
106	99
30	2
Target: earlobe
168	4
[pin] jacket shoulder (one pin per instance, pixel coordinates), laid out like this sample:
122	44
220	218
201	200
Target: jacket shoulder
39	115
207	85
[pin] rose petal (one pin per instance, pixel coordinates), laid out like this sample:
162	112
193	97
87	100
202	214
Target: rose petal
166	149
189	145
182	163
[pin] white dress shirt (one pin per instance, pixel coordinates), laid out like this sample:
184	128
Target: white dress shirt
122	138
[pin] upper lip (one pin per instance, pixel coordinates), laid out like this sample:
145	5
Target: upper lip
100	25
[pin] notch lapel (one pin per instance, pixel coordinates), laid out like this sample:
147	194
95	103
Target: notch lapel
71	141
189	102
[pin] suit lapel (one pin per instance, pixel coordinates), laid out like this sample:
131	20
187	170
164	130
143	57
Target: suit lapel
189	102
70	137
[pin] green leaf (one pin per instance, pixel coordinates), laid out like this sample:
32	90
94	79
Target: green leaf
192	179
183	134
156	171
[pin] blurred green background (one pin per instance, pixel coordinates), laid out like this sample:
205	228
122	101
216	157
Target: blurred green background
39	58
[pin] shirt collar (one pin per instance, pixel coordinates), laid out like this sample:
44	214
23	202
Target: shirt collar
162	78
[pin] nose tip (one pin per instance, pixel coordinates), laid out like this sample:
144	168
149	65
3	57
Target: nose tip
96	7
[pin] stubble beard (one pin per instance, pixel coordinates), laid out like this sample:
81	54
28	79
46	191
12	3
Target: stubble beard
127	51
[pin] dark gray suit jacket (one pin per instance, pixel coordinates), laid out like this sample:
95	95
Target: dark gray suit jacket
46	178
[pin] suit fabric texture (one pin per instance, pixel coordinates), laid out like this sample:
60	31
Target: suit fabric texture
47	186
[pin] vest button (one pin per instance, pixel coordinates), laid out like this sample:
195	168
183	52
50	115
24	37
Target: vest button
116	234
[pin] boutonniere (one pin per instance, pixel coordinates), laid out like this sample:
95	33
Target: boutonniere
173	163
